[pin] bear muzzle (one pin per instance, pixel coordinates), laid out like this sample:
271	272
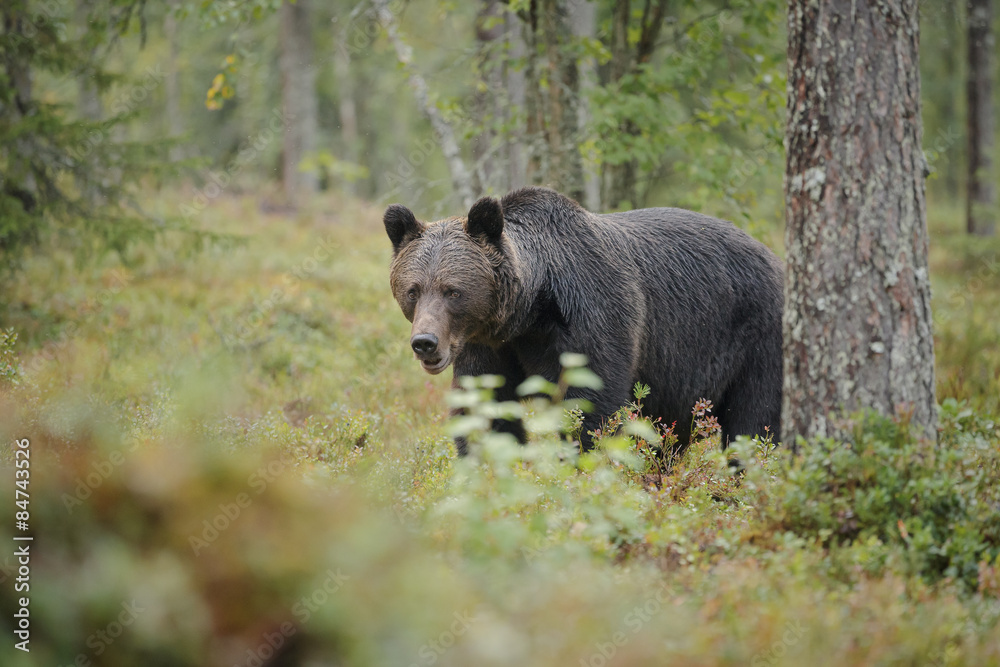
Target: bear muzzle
426	349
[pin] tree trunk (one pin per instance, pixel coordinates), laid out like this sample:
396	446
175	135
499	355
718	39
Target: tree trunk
368	136
951	62
536	167
981	201
584	23
486	158
14	106
172	82
298	98
88	97
514	78
552	98
621	179
308	99
461	179
562	99
348	108
857	325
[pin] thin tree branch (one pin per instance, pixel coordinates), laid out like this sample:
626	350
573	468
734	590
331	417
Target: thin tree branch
461	178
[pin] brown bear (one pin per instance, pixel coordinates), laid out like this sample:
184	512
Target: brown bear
687	304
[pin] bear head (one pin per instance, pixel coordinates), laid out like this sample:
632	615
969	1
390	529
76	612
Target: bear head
446	277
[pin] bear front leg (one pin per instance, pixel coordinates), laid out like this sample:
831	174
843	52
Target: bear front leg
478	360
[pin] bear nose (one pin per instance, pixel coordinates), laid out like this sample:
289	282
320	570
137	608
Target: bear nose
424	344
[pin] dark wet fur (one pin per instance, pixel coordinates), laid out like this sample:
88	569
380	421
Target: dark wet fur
688	304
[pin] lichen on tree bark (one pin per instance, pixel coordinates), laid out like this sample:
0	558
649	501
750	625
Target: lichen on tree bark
857	324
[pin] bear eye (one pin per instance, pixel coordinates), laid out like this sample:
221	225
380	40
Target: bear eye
412	294
452	293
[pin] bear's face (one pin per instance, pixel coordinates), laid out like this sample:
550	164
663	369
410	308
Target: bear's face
443	276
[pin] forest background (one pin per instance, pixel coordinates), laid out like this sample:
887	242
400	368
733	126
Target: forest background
236	461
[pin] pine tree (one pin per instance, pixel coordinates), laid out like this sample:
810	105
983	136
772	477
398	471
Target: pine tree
72	179
857	326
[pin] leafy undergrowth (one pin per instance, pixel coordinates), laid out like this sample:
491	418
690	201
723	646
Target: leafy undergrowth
214	486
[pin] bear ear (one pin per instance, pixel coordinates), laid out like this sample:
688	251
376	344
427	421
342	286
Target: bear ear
401	226
485	219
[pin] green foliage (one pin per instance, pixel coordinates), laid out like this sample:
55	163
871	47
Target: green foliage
268	389
329	166
546	411
280	408
62	177
966	294
943	65
8	358
215	12
931	505
707	109
507	502
629	430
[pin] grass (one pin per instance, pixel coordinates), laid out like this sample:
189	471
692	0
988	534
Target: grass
235	461
965	274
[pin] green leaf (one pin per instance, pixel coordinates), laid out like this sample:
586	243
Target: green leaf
583	377
572	360
536	384
643	429
547	420
620	450
465	425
